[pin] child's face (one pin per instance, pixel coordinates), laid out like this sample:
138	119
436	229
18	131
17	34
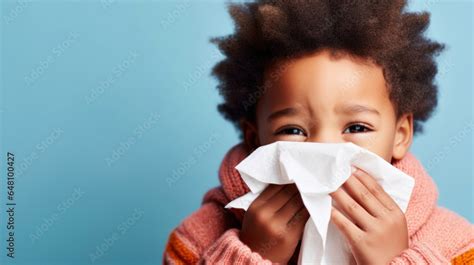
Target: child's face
318	98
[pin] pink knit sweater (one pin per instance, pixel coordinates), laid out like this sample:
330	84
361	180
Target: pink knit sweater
211	234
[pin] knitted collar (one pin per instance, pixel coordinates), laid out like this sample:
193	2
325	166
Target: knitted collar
422	202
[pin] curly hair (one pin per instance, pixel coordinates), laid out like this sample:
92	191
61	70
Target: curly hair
268	31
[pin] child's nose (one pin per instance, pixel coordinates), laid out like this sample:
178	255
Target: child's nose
326	136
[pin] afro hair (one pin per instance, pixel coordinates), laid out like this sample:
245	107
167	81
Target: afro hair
383	31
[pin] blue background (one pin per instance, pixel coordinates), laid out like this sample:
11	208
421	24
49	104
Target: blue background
103	101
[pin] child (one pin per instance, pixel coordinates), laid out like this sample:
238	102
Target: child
326	71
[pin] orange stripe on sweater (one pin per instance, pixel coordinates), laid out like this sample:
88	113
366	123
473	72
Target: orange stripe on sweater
464	259
178	252
172	256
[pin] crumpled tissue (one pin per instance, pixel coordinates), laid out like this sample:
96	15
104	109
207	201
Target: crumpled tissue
318	169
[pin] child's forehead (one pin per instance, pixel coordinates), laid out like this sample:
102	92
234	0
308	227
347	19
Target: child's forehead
325	79
324	62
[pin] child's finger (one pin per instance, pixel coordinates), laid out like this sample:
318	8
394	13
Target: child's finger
280	198
291	207
349	206
363	196
298	221
374	188
268	192
348	229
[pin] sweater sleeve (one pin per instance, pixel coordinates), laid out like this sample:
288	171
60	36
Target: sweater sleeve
208	236
419	253
444	239
228	249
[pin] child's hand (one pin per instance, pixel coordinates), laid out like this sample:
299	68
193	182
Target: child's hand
375	226
274	223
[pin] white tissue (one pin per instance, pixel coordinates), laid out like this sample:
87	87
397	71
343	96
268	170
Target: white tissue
318	169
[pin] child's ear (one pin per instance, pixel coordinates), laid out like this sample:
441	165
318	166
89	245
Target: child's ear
403	136
250	134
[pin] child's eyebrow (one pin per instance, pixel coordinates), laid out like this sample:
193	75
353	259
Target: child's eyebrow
356	108
290	111
346	109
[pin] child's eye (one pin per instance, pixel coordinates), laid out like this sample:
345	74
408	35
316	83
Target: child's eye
292	131
357	128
